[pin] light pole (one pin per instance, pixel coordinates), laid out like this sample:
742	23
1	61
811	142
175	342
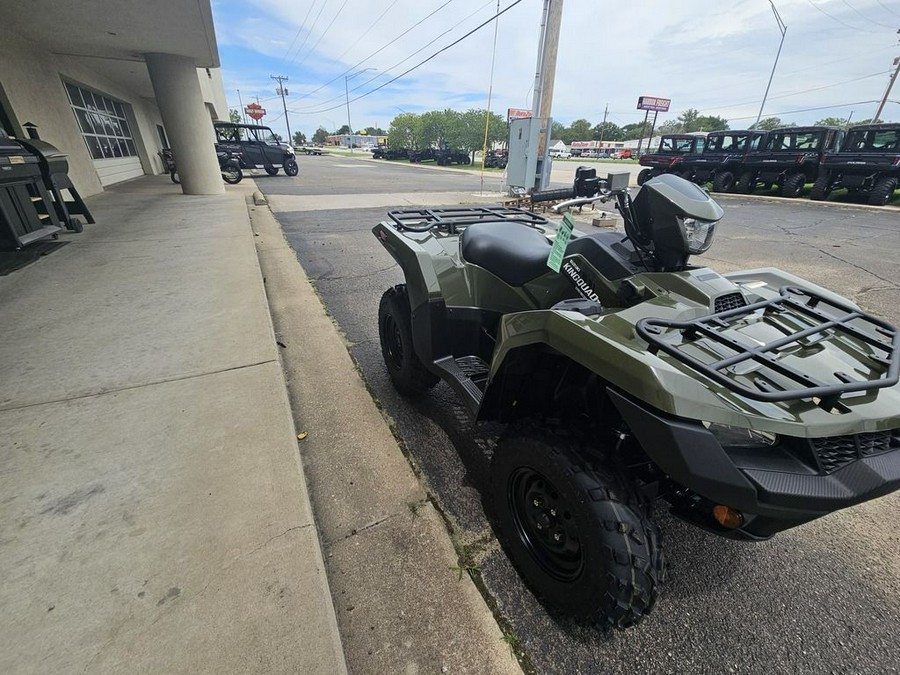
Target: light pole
783	30
347	79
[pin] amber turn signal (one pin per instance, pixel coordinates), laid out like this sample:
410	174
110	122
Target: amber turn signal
727	516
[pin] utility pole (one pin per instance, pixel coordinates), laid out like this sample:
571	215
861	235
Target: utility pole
603	128
243	114
545	76
887	92
281	91
783	29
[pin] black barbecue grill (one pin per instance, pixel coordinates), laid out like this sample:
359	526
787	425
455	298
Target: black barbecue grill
27	212
55	172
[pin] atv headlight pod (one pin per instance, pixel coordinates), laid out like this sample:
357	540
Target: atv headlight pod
698	234
737	436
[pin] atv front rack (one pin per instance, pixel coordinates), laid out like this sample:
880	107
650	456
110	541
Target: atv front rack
451	219
775	380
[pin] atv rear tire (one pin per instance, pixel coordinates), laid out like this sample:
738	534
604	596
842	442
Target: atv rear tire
883	191
406	371
821	188
747	183
793	185
644	176
723	182
577	532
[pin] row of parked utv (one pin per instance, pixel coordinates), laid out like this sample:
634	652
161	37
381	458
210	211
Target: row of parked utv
865	160
441	156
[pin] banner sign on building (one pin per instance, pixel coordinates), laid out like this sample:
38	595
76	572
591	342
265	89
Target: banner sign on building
653	103
517	113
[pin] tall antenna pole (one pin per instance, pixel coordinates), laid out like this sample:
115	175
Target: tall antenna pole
281	91
783	29
887	92
243	114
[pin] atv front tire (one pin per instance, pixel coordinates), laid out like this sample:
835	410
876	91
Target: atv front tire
882	191
821	188
409	375
577	532
793	185
723	182
747	183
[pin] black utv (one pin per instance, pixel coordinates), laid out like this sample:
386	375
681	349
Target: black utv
496	159
789	159
448	156
722	158
669	155
868	164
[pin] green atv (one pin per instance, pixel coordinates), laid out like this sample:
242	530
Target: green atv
750	402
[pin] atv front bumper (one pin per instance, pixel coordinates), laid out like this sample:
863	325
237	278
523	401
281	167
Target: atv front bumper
774	488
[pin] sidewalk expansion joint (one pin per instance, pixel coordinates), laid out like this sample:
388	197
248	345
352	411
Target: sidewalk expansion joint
116	390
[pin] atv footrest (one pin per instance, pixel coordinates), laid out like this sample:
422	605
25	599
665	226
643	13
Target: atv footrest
464	375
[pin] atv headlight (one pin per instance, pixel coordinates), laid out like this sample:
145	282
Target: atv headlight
745	438
698	234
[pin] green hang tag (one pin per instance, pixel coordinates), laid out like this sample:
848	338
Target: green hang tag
563	233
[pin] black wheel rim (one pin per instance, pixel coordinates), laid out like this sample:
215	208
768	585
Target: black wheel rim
393	342
545	524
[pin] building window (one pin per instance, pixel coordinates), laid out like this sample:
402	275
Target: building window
103	124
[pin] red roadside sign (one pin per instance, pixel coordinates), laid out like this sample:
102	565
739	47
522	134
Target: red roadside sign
654	103
517	113
255	110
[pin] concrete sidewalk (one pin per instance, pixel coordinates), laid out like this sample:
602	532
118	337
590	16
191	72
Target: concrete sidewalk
153	511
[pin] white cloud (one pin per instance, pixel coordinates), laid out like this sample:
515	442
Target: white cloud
712	56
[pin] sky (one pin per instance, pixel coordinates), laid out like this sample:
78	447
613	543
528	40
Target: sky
712	56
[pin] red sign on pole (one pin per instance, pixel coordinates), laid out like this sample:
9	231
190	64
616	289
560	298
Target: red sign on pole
517	113
255	110
654	103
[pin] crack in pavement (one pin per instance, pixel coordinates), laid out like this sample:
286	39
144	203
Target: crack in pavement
847	262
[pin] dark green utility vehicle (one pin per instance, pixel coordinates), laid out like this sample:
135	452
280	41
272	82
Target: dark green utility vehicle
789	158
750	402
722	157
868	164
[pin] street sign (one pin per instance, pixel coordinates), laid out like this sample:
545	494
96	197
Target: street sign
255	110
654	103
517	114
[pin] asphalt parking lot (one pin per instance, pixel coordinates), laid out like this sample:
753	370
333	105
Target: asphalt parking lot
824	598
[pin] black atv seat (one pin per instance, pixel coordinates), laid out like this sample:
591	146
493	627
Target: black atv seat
513	252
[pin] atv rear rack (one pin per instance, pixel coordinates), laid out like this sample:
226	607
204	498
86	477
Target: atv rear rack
880	336
450	219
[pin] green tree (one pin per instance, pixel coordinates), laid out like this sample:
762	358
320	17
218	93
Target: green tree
376	131
235	116
557	131
831	122
769	123
632	131
345	129
710	123
579	130
439	128
403	131
470	132
607	131
321	136
669	127
299	138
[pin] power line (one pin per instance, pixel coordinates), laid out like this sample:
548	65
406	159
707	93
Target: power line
424	61
408	57
324	33
297	34
792	112
376	52
310	31
887	8
834	18
864	17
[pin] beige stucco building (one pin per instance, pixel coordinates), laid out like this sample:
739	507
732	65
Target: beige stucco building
109	82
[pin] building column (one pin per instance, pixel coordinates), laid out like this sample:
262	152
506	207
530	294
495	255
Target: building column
188	125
